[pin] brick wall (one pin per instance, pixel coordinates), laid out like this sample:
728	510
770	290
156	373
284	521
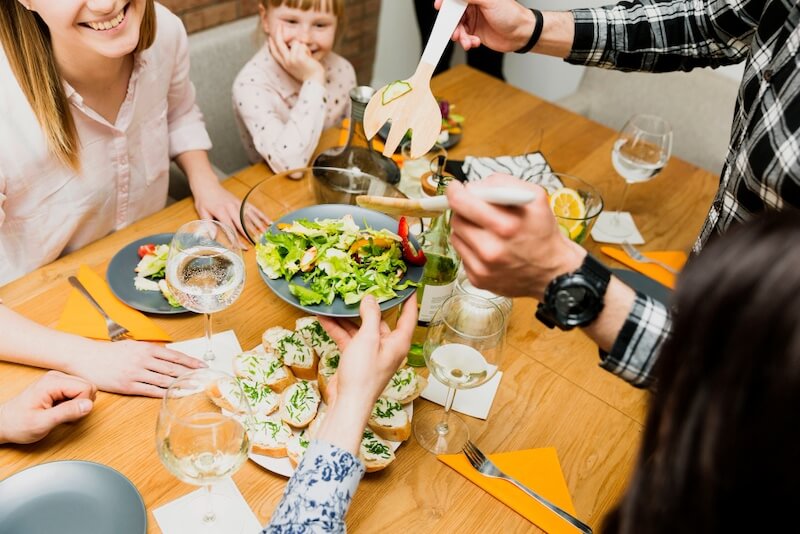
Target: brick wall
357	43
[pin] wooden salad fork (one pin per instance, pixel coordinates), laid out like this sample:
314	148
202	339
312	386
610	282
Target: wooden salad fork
484	466
116	331
409	103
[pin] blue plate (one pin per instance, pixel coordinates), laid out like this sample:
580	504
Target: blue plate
70	497
338	308
121	273
452	139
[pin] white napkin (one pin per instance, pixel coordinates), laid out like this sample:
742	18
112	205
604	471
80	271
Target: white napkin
225	345
601	235
475	402
527	167
185	515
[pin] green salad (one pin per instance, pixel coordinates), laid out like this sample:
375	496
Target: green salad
334	257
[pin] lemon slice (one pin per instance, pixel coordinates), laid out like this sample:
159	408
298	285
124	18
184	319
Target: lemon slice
568	204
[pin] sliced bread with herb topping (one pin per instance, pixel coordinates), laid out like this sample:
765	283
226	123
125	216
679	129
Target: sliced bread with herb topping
263	367
389	420
271	336
300	403
327	368
262	399
269	436
315	336
297	446
374	452
249	362
405	386
293	351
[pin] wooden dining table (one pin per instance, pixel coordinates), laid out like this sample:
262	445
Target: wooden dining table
552	394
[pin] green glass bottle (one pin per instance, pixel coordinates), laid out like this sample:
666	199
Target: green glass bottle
438	275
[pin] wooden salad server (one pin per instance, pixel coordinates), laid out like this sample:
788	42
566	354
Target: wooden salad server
409	103
434	206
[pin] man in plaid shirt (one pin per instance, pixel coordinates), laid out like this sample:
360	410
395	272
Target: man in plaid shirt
761	172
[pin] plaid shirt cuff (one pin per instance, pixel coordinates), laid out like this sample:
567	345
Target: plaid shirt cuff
591	35
636	349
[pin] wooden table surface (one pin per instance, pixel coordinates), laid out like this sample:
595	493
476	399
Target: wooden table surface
553	393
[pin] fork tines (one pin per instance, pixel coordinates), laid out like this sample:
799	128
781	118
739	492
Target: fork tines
473	454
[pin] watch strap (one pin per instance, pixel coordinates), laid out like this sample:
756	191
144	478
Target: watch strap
537	32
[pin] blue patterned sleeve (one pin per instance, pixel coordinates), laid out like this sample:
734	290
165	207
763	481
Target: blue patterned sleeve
318	495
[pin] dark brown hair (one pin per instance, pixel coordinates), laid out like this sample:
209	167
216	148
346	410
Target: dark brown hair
720	446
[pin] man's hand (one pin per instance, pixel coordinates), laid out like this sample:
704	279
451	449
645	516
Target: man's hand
133	367
296	59
53	399
502	25
511	251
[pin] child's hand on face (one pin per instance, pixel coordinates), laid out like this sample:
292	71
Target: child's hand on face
296	58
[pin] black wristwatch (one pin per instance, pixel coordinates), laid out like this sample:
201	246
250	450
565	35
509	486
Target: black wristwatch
576	298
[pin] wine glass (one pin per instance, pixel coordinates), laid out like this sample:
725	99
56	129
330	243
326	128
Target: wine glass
640	151
205	270
463	349
202	443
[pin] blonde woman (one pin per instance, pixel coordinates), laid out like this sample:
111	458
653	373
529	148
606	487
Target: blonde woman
95	99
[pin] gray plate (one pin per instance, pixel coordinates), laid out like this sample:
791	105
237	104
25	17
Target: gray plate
70	497
646	285
121	273
360	215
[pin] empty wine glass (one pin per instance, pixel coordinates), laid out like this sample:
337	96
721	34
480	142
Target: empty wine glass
641	150
201	438
205	270
463	349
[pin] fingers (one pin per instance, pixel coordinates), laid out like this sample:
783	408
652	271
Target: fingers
408	317
258	220
146	390
163	381
340	331
179	358
68	411
370	315
60	386
503	221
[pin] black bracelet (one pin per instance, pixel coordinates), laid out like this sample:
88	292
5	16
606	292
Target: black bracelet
537	32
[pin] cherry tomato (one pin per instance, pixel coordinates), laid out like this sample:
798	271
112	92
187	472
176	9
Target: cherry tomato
144	250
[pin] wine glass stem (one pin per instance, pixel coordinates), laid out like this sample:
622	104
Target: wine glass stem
209	355
622	203
209	516
442	427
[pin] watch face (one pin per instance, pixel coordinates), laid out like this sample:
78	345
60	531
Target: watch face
576	302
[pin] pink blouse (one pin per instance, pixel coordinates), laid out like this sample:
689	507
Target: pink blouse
46	209
281	119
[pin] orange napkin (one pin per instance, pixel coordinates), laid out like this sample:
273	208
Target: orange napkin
539	470
377	144
80	317
673	258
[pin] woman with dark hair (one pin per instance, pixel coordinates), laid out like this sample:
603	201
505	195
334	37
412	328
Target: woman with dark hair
719	452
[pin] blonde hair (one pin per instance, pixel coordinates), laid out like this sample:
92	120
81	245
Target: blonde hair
333	6
25	39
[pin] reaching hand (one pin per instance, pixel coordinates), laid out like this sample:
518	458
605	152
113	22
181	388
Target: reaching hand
53	399
133	367
296	59
511	251
212	201
372	353
502	25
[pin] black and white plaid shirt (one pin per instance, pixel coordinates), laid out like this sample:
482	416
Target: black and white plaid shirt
762	170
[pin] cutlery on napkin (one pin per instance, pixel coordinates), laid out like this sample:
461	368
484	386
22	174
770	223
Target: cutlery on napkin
674	258
79	317
539	469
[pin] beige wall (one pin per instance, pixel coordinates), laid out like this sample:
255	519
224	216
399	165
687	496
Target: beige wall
357	44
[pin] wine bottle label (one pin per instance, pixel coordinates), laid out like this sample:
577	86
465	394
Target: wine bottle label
432	299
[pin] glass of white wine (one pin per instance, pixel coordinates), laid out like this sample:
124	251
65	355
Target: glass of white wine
203	440
642	148
205	270
463	349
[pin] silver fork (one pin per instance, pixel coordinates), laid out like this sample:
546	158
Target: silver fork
484	466
116	331
634	253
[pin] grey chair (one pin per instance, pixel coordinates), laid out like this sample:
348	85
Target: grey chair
216	57
699	105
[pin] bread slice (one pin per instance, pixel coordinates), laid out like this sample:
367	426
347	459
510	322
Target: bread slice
269	436
315	336
327	368
374	452
405	386
293	351
297	446
262	399
389	420
272	335
245	364
300	403
263	367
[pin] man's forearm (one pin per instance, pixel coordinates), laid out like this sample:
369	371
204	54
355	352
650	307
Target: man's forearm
617	306
558	34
